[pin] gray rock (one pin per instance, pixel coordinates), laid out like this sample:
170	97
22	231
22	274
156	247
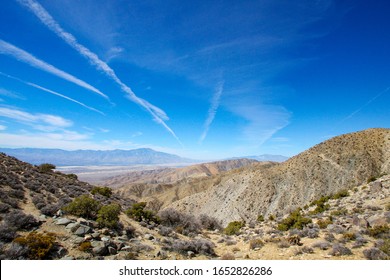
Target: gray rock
83	230
375	187
78	240
127	249
68	258
162	254
112	250
377	221
149	237
100	251
105	239
63	222
190	254
96	235
72	227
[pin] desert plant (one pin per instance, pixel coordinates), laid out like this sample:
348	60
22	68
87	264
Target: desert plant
108	216
104	191
324	223
340	194
181	222
349	236
20	221
260	218
83	206
382	231
46	167
209	223
38	244
7	233
294	220
234	228
139	213
85	246
340	250
256	244
375	254
228	257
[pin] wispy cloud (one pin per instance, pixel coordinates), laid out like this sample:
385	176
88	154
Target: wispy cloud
366	104
212	110
51	92
3	127
35	120
23	56
158	115
8	93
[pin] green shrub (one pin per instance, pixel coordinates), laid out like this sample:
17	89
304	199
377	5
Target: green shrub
46	167
38	244
83	206
380	231
234	228
294	220
324	223
105	191
138	213
371	179
72	176
321	204
260	218
86	246
108	216
339	212
340	194
271	218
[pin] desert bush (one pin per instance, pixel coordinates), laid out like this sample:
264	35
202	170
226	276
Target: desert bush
50	210
234	228
382	231
18	194
209	223
303	250
371	179
271	218
155	205
165	231
283	244
46	167
323	245
256	244
38	244
83	206
340	194
375	254
198	246
138	213
360	242
294	220
321	205
182	223
85	246
349	236
20	221
130	231
16	252
260	218
4	208
104	191
324	223
340	250
7	233
108	216
72	176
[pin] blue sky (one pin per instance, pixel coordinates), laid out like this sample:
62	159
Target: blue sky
201	79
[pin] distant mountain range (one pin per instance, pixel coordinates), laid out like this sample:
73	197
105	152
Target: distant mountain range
145	156
91	157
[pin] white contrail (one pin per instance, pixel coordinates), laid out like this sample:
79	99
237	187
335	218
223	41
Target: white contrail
23	56
158	115
368	103
212	110
52	92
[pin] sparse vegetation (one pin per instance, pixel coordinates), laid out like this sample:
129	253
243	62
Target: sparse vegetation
256	244
340	194
260	219
46	167
86	246
382	231
108	216
20	221
104	191
294	220
234	228
138	213
323	223
83	206
38	245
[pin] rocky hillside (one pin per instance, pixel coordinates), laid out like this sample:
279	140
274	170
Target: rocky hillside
172	175
343	162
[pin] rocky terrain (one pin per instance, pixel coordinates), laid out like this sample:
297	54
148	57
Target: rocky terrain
341	215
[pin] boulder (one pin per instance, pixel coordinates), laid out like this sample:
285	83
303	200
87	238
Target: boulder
72	227
83	230
375	187
377	220
63	222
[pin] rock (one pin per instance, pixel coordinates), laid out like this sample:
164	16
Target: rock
100	251
377	221
126	249
42	218
105	239
59	213
63	222
83	230
162	254
78	240
112	250
375	187
72	227
190	254
149	237
88	237
96	235
68	258
359	222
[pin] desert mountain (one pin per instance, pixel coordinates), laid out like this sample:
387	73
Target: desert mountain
267	157
93	157
172	175
340	163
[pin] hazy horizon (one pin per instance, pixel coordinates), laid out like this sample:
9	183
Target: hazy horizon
202	80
